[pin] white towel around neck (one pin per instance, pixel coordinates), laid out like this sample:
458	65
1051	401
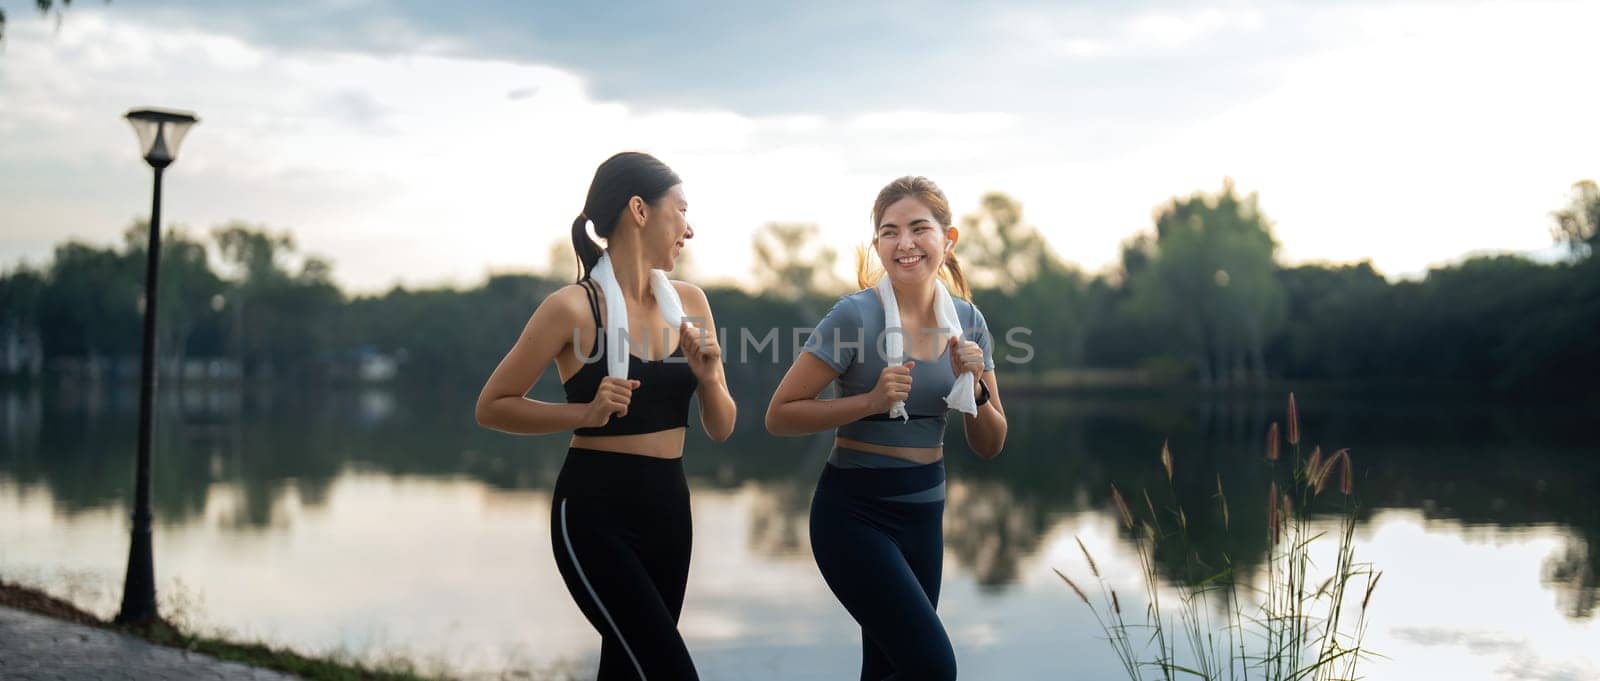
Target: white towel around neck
962	397
616	330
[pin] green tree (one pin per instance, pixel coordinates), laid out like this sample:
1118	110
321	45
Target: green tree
189	290
44	7
1020	281
1339	321
90	306
1503	321
1578	225
20	293
282	319
998	250
254	251
561	263
1210	273
793	264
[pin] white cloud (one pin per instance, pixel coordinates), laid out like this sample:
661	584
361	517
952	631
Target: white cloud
422	168
1082	33
926	122
1166	30
1409	143
1414	143
1429	132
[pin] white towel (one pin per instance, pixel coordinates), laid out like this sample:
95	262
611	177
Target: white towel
963	396
616	331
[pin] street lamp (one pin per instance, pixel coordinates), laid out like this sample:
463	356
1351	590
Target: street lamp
160	132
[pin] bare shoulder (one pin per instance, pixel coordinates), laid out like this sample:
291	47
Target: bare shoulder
694	300
688	291
566	305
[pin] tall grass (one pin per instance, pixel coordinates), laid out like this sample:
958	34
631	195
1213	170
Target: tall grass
1298	622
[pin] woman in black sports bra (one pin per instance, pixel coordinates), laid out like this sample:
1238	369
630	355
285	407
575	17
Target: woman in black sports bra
619	520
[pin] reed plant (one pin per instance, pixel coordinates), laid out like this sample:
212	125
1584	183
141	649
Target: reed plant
1300	621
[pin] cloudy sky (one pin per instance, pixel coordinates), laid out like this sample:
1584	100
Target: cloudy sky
428	143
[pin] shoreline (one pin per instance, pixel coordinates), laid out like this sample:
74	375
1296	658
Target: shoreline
165	635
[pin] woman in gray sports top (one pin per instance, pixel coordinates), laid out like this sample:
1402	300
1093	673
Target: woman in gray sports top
877	529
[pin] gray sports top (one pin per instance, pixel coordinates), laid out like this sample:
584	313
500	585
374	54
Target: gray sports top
850	339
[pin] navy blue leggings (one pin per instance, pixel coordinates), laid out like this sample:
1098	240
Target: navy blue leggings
883	559
621	533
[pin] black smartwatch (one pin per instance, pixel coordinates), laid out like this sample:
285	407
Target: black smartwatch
983	394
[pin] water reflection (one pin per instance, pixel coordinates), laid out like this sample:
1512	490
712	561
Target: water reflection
1571	572
259	489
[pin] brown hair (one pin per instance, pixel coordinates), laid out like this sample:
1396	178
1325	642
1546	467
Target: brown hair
928	194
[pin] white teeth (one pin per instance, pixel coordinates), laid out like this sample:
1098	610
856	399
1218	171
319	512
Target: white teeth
908	259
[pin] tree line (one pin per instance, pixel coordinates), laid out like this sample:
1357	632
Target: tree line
1200	296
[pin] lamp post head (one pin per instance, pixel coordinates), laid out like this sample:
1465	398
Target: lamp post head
160	132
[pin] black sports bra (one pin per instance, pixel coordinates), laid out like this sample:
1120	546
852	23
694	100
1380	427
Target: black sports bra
661	402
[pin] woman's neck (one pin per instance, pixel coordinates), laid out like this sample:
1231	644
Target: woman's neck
914	297
633	276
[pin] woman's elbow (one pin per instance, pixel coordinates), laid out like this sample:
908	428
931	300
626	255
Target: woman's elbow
484	414
775	423
987	448
719	433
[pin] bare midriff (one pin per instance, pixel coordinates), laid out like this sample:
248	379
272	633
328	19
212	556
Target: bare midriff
662	444
917	454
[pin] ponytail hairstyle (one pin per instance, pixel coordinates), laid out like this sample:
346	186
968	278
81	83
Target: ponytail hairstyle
928	194
616	182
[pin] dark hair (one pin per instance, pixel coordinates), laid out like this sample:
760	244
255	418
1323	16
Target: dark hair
616	181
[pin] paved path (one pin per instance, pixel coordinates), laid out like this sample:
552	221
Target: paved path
38	648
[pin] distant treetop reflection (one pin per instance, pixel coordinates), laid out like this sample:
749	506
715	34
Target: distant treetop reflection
1501	465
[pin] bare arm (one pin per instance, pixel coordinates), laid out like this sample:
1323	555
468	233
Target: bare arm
986	432
503	404
704	350
795	409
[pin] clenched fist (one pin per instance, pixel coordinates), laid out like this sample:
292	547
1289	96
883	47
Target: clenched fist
894	385
612	397
703	352
966	357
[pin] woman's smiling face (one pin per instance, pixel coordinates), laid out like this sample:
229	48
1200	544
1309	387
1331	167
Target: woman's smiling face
910	242
667	229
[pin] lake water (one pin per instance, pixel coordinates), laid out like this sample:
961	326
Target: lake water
382	524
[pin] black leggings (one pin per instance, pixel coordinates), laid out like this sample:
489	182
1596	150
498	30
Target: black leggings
621	531
882	559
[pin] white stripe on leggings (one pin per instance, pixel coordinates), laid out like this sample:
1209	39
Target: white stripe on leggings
567	538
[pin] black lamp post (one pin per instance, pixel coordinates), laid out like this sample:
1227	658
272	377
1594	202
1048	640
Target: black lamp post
160	132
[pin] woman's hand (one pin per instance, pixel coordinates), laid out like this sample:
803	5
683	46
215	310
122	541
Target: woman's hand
966	357
703	352
894	385
612	397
